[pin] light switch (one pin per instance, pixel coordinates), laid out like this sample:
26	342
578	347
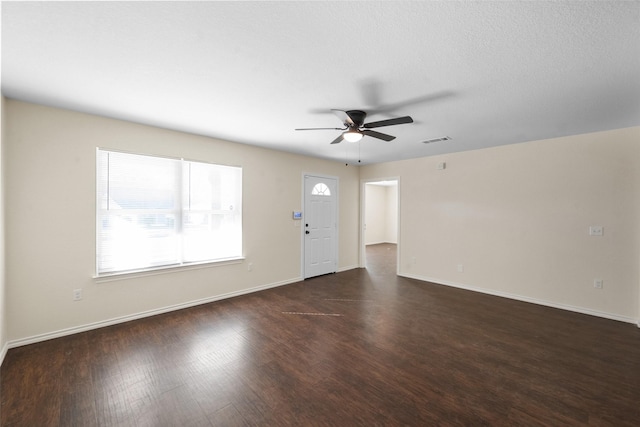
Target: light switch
596	230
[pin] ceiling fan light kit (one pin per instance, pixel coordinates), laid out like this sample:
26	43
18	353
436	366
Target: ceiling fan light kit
352	136
356	128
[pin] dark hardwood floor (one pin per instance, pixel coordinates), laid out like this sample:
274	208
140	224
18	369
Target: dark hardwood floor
362	347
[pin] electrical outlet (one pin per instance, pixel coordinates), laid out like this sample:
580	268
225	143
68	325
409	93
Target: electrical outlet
597	283
77	294
250	267
460	268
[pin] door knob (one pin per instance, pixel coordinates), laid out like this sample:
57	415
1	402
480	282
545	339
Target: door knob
307	232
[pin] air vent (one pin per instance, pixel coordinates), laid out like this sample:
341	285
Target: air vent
444	138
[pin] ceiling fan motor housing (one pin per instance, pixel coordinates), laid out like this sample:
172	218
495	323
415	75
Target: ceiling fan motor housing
357	116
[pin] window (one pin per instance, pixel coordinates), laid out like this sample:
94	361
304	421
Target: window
321	189
157	212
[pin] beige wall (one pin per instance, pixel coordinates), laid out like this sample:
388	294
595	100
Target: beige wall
381	214
50	181
3	309
516	219
375	214
391	227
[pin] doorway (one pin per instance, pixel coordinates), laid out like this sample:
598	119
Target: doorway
380	216
320	222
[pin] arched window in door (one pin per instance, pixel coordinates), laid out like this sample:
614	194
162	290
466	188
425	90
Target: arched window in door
321	189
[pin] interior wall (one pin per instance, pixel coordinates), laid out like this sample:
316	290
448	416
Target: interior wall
391	227
3	308
375	216
50	180
514	221
3	303
381	217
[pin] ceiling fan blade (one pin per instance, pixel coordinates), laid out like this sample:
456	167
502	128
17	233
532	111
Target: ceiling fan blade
337	140
378	135
389	122
343	116
321	129
351	118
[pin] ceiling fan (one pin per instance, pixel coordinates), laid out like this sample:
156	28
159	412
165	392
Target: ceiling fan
355	127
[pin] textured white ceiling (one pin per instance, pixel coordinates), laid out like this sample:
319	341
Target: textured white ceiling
483	73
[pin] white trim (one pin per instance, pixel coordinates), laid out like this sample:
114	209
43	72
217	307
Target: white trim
347	268
3	352
361	244
121	275
96	325
382	242
141	315
537	301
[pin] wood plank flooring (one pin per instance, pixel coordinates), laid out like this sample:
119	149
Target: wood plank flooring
362	347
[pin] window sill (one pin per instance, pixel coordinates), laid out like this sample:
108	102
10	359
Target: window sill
131	274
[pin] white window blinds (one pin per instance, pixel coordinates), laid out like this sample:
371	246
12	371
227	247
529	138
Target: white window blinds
157	212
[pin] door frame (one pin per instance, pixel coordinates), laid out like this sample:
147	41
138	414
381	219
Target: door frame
362	258
303	208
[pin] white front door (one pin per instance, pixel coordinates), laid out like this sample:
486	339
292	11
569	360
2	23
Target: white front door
320	225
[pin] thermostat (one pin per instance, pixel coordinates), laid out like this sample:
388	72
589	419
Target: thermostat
297	215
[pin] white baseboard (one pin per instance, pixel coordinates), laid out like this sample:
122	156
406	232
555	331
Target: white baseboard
567	307
349	267
141	315
3	352
149	313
